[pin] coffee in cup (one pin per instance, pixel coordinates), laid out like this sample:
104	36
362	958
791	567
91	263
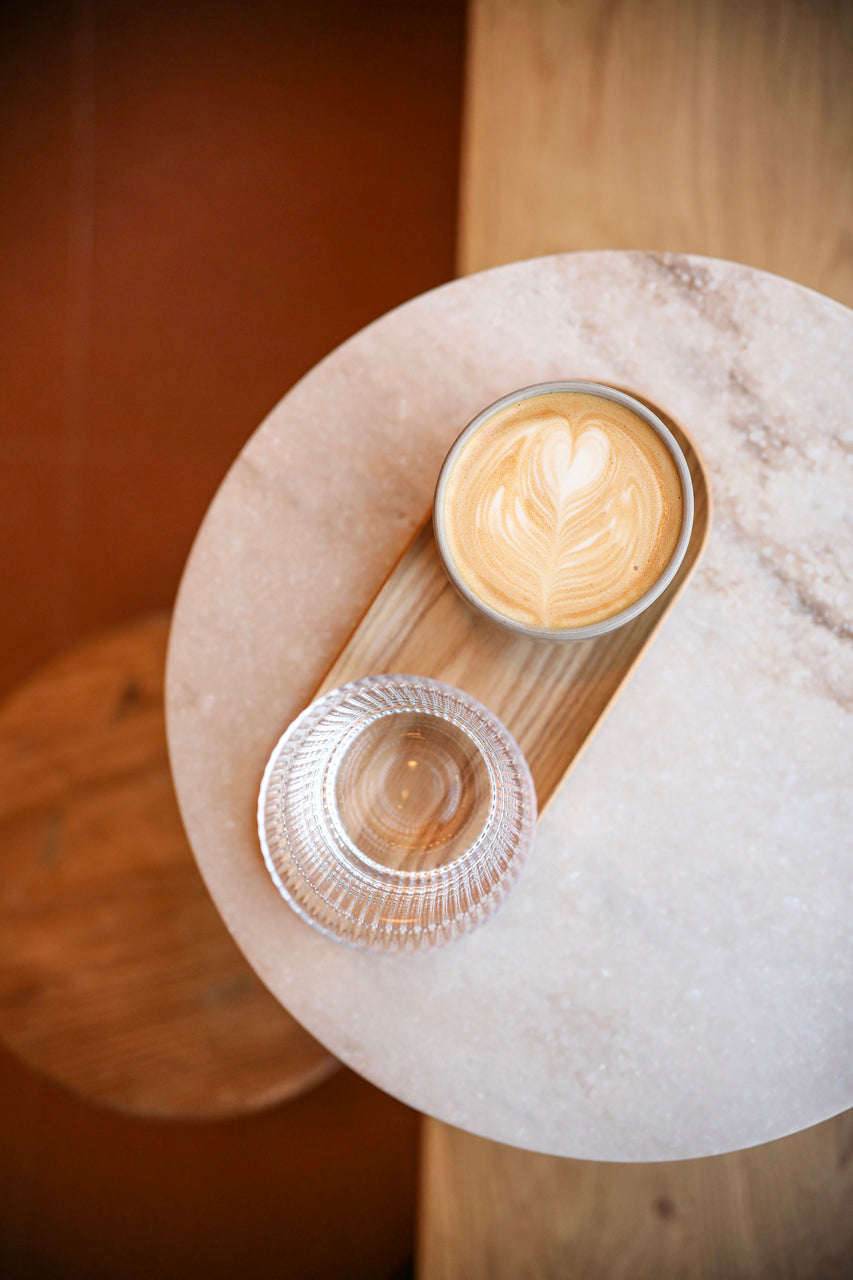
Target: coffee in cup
563	510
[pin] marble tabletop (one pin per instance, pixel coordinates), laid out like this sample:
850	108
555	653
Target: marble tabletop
673	976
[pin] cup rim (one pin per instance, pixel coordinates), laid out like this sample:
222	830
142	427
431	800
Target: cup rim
593	629
468	856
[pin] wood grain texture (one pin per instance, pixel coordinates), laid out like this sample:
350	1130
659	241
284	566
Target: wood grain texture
702	126
117	976
551	695
490	1212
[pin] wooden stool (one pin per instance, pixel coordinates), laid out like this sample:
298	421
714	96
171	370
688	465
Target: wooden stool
117	977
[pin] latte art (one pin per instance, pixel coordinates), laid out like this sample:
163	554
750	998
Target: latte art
562	510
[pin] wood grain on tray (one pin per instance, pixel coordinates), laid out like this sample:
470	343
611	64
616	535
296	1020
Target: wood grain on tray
551	695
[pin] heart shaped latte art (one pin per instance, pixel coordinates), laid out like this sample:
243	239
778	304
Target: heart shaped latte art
562	510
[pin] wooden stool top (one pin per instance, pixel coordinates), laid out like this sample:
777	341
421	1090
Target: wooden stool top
117	977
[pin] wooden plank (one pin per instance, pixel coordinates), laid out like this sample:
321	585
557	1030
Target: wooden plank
781	1210
699	126
419	625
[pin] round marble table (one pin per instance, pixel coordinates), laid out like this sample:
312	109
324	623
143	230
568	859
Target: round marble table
674	974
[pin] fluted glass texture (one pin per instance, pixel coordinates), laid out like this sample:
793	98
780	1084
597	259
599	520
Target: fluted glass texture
396	813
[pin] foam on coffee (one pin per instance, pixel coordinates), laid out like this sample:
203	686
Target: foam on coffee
562	510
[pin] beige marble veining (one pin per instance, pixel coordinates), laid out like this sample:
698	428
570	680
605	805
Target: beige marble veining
674	974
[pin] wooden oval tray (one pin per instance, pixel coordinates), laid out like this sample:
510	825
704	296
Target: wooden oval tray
551	695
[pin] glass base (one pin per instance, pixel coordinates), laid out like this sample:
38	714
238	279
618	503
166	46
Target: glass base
396	813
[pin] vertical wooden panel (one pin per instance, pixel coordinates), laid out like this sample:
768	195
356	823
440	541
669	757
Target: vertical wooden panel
782	1210
703	126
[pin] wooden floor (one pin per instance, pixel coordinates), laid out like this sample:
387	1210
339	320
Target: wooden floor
783	1211
199	200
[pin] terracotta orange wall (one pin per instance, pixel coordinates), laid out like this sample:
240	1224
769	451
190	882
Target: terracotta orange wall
199	200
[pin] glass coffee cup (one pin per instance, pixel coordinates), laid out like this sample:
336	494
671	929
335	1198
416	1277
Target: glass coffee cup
563	510
396	813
